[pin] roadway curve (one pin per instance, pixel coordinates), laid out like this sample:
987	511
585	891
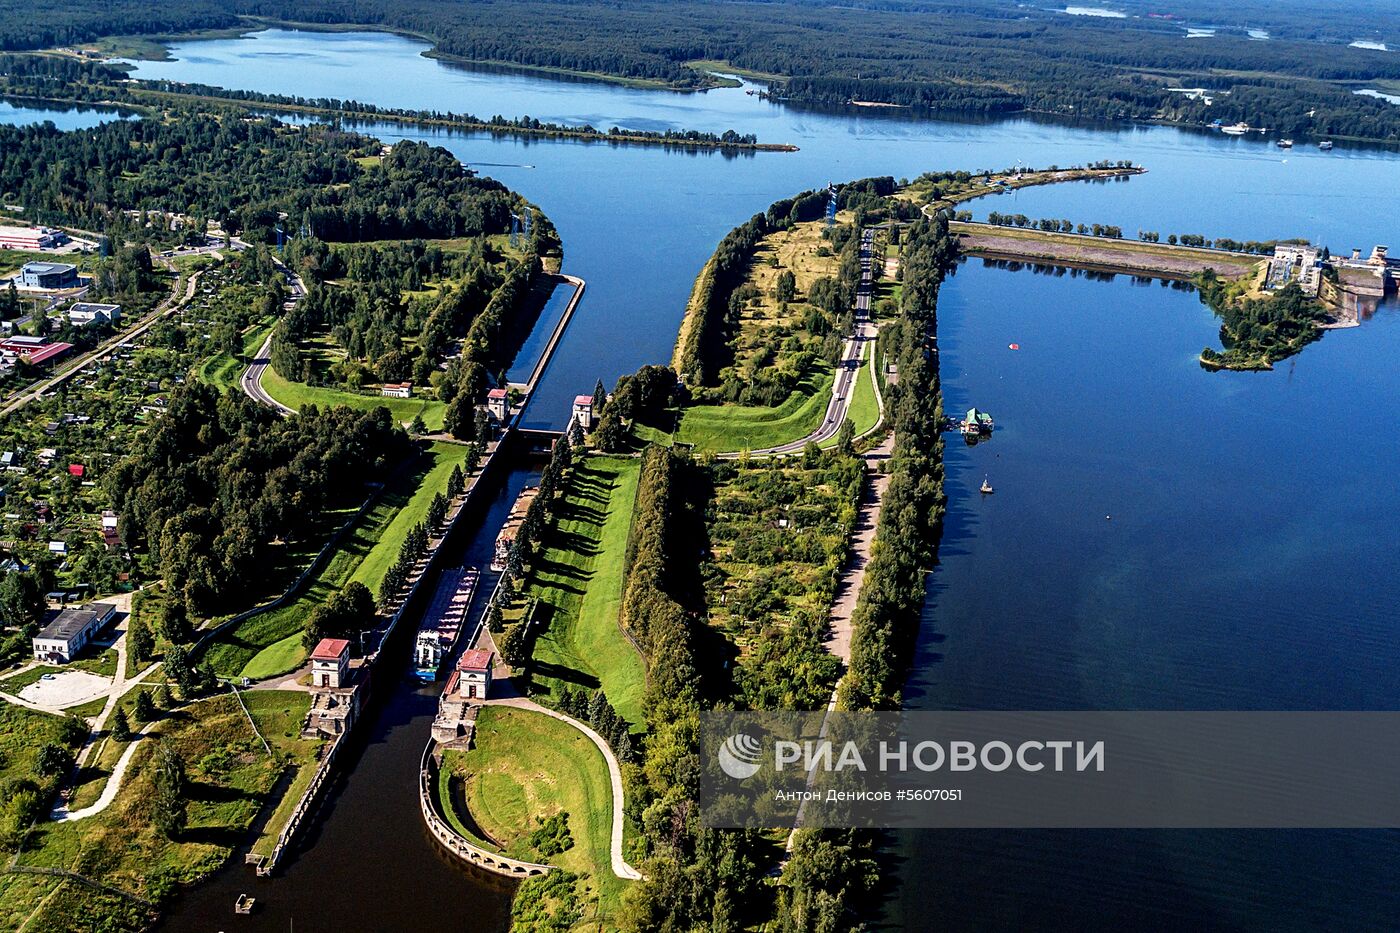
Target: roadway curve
251	379
847	370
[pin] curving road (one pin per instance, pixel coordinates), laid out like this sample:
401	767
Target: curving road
847	369
251	379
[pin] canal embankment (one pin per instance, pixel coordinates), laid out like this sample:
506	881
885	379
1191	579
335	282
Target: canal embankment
1099	254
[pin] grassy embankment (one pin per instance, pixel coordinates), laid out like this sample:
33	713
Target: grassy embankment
1179	262
270	643
578	579
526	767
772	337
298	394
222	370
230	778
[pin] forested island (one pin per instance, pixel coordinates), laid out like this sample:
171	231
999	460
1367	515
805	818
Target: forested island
70	80
986	57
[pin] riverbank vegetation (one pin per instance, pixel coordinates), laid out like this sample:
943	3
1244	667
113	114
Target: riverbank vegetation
63	78
1258	332
768	318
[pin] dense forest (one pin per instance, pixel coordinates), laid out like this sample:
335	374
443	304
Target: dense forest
248	174
984	56
219	482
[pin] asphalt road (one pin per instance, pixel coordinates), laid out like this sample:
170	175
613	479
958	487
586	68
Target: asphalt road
251	380
848	369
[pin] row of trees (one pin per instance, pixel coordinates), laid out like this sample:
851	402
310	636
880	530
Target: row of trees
887	610
516	643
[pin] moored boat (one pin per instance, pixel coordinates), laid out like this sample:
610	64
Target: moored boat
1325	145
987	486
1235	129
444	621
512	526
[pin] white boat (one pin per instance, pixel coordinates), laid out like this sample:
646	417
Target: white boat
986	486
1236	129
1285	144
1325	145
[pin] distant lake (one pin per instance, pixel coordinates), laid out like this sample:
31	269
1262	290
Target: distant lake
19	113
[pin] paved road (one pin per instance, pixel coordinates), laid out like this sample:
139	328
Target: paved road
251	380
848	369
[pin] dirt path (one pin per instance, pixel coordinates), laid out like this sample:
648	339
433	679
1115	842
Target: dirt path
872	498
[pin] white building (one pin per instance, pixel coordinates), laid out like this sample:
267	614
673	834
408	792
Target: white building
84	313
31	237
330	664
66	635
473	675
498	404
396	390
583	411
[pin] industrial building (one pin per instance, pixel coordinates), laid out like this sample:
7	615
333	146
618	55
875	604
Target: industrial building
49	275
31	237
70	631
84	313
36	351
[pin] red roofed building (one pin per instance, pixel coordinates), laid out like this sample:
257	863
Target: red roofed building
33	350
330	664
498	404
76	469
583	411
473	675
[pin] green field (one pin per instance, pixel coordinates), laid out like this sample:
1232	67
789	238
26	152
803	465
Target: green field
525	766
298	394
728	428
864	412
230	778
579	577
270	643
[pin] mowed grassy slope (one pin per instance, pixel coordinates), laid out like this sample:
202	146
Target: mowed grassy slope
579	576
527	766
298	394
731	428
270	643
222	370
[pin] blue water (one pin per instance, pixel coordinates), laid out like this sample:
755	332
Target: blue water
65	118
1250	561
533	347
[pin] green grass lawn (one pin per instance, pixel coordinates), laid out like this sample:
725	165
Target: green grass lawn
525	766
579	576
231	778
864	412
298	394
270	643
727	428
221	370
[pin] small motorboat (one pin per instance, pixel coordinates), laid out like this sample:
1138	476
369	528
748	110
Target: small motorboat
1285	144
986	487
244	904
1325	145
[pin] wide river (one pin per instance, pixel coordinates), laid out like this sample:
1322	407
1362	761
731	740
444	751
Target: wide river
1251	560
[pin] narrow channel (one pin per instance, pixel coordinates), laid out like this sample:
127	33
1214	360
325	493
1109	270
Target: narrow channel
367	862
